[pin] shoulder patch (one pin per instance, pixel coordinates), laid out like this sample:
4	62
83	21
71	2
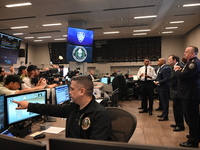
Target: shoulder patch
192	65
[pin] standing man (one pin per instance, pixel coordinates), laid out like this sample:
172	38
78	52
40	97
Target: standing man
162	81
91	73
114	74
146	75
189	88
177	103
86	119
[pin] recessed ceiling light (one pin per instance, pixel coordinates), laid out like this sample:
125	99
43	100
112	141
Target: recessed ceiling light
19	27
53	24
176	22
44	37
113	32
143	30
190	5
64	35
18	5
167	32
171	27
18	33
142	17
140	34
30	37
60	39
37	40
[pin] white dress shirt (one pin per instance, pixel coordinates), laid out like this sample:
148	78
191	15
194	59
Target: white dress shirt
150	72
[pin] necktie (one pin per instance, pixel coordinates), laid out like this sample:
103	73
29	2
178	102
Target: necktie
145	73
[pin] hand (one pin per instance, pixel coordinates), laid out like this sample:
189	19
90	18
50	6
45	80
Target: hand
22	104
142	75
42	82
177	68
156	82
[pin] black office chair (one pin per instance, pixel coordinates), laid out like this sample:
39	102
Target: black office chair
123	124
114	98
105	101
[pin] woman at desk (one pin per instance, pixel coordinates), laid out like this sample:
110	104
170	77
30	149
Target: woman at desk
86	118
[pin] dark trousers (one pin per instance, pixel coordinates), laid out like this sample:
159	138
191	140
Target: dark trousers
164	98
147	91
191	114
178	112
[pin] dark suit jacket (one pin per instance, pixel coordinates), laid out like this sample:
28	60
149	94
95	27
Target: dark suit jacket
174	83
163	78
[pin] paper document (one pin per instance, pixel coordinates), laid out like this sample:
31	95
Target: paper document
54	130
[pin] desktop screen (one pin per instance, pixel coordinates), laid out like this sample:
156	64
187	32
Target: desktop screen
62	94
14	115
111	79
104	80
2	113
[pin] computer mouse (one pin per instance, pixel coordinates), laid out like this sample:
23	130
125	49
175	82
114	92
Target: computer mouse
39	136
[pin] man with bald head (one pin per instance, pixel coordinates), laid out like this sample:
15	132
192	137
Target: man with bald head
162	81
188	91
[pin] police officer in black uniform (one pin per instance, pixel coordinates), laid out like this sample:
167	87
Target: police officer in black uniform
86	119
189	88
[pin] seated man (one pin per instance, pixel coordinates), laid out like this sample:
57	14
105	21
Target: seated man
86	118
12	84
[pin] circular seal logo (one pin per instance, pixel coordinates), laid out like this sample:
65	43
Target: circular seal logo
86	123
79	53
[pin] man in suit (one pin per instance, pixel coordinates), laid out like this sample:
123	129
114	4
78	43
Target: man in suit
188	91
146	75
177	104
91	73
162	81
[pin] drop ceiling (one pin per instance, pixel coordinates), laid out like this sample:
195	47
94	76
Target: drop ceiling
98	15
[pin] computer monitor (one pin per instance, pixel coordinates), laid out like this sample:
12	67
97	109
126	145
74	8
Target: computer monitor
111	79
75	144
13	115
8	143
62	94
2	113
104	80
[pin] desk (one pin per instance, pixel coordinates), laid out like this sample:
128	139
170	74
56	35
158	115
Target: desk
59	123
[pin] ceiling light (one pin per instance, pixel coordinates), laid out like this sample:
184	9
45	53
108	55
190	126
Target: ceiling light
19	27
167	32
18	33
176	22
37	40
44	37
144	30
190	5
18	5
113	32
54	24
140	34
171	27
60	39
142	17
30	37
64	35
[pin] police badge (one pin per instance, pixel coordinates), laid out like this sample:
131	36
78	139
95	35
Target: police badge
192	65
80	36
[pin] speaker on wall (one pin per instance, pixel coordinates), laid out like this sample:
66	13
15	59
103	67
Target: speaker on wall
21	52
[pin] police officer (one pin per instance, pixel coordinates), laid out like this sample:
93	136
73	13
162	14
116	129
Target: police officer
86	118
189	88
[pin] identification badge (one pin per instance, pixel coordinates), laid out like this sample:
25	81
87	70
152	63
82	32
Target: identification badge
86	123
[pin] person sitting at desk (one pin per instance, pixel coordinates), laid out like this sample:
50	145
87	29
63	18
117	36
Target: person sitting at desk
86	118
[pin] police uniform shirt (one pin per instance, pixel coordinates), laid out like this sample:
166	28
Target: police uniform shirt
150	72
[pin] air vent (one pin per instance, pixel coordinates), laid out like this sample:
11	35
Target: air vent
184	14
94	28
72	13
129	7
17	18
44	32
129	26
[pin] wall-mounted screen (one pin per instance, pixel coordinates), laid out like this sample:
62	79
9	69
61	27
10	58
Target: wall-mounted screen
9	49
13	115
78	36
79	53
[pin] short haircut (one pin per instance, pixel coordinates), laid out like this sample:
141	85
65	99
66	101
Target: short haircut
195	49
86	82
175	57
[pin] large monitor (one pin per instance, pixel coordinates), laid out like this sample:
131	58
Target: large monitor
104	80
62	94
2	113
13	115
9	49
8	143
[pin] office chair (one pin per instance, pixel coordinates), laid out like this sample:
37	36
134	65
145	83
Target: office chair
123	124
114	98
105	101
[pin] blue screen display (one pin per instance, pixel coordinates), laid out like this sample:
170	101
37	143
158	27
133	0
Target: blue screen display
78	36
79	53
22	114
62	94
104	80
